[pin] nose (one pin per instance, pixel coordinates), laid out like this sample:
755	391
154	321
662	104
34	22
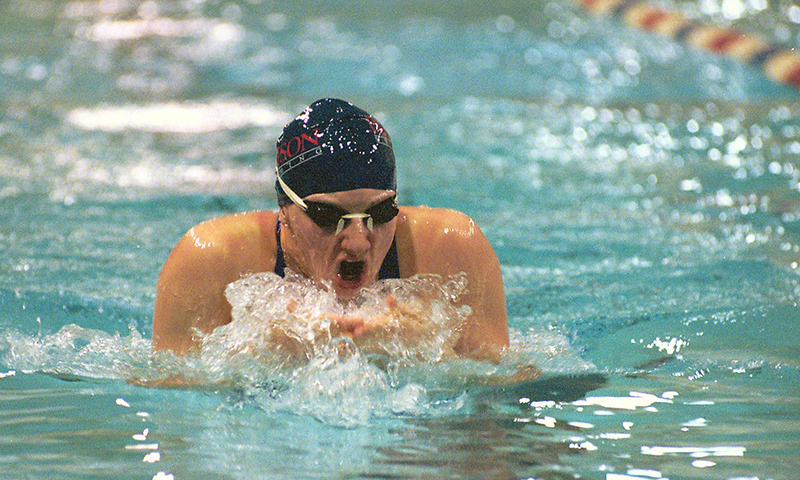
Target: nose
356	237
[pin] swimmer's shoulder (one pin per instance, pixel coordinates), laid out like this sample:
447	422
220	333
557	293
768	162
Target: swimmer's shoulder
423	222
212	254
247	239
248	226
430	239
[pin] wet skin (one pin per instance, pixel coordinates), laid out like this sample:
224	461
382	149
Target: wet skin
211	255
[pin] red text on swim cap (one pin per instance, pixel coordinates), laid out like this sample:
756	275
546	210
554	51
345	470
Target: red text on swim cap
296	145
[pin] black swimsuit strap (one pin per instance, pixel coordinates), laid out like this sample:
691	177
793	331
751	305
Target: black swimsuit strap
280	261
389	269
391	266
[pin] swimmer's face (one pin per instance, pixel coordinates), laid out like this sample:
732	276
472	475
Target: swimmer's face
349	259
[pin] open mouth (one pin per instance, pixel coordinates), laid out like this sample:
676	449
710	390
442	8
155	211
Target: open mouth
351	271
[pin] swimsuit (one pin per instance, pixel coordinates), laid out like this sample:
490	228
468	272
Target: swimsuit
389	269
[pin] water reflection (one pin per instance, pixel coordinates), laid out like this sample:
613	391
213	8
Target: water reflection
477	447
177	118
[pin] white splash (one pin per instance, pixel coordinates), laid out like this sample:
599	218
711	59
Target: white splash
282	352
285	320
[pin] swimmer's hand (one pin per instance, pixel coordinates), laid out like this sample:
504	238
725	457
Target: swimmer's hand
399	319
401	325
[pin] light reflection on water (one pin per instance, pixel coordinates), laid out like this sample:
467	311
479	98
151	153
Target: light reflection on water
642	198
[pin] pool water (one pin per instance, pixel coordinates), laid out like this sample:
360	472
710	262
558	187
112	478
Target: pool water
643	199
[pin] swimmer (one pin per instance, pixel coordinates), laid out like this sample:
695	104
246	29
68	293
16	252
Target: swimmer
338	223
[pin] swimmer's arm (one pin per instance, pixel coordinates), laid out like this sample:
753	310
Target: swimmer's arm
191	288
189	295
447	242
486	333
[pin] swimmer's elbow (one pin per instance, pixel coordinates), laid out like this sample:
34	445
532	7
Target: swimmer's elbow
484	349
484	337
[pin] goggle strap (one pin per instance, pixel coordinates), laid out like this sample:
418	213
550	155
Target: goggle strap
300	203
290	193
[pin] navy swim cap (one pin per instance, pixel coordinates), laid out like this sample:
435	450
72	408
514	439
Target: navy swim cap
334	146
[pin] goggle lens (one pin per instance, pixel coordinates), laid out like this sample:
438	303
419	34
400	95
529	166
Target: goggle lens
330	217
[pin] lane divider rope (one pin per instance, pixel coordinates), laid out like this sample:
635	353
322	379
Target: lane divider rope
779	63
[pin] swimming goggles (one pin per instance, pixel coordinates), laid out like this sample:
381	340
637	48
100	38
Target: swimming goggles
328	216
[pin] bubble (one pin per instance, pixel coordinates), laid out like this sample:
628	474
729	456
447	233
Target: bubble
505	24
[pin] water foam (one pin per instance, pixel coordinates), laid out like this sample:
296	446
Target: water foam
76	352
291	319
283	352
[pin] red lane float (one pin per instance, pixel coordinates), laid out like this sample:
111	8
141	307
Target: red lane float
779	63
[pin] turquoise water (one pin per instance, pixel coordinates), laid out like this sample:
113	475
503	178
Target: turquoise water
643	199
